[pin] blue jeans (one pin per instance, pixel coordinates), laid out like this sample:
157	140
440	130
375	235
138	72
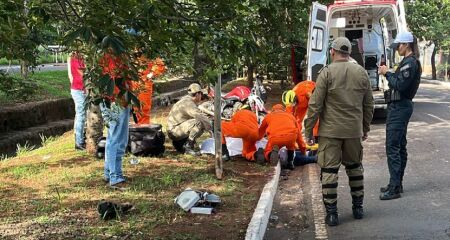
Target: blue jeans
116	143
397	121
79	98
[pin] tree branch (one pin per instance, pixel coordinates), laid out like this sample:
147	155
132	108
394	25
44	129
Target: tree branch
64	10
74	11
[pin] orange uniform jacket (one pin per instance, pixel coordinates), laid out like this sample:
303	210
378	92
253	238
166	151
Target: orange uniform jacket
303	91
281	129
243	125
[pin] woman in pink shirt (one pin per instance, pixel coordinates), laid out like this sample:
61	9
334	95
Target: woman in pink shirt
75	65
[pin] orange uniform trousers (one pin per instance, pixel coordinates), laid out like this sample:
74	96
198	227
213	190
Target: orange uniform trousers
145	98
243	125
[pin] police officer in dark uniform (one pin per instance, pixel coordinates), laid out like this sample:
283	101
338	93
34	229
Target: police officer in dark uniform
403	85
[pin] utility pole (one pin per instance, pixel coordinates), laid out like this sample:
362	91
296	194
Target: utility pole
218	127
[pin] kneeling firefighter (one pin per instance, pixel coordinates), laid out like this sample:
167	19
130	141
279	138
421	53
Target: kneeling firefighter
243	125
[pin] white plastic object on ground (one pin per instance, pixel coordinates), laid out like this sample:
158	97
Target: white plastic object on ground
234	146
187	199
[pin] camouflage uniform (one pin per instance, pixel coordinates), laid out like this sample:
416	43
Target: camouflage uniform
186	120
343	103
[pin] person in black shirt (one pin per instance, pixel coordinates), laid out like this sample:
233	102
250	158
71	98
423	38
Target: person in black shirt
403	85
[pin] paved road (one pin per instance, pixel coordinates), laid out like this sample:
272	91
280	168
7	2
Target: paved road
423	212
41	67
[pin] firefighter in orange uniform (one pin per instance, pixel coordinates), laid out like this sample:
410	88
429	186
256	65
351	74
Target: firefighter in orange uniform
243	125
150	70
282	130
298	104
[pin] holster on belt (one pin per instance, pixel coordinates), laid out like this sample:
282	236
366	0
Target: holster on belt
392	95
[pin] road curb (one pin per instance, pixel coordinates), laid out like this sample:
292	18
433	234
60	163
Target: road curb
258	224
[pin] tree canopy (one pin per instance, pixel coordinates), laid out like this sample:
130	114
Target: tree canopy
430	20
197	37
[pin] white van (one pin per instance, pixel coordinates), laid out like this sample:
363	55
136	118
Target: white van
371	26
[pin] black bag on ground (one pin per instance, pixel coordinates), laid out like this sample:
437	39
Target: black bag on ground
146	140
101	143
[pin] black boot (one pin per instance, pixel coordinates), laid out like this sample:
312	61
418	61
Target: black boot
259	156
358	211
392	192
384	189
189	148
179	145
225	153
274	158
332	218
290	160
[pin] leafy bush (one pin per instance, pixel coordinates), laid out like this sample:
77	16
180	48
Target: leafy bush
16	87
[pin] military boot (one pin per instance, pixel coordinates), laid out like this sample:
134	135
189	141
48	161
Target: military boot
357	208
274	158
259	156
392	192
225	153
332	218
189	148
384	189
290	160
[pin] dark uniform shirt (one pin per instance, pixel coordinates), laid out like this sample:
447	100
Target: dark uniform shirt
403	84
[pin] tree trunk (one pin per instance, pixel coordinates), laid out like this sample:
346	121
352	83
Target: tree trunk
250	70
218	129
24	68
433	63
94	128
196	64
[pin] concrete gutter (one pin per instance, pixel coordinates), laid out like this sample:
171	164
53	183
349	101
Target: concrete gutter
257	226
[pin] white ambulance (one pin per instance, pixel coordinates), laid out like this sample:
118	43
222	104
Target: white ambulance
371	26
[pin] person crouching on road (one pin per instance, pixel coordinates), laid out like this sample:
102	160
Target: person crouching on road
186	122
344	103
282	130
403	85
243	125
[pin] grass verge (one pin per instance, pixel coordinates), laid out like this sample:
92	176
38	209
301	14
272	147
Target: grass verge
52	193
50	85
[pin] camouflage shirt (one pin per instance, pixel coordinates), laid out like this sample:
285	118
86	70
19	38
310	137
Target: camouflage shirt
186	109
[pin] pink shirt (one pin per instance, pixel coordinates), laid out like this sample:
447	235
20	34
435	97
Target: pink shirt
76	64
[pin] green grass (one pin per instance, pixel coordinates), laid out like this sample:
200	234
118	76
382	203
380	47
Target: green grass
54	84
59	187
50	85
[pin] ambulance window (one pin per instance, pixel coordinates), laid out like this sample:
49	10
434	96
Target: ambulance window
321	15
317	39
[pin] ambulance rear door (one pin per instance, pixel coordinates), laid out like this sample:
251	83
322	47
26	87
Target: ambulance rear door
317	40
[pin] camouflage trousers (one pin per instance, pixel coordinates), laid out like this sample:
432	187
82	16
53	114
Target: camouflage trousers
334	151
191	129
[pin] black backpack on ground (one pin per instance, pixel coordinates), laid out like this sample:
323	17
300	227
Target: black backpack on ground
146	140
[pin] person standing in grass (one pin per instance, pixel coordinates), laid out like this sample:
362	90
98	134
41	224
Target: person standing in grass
75	67
116	114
